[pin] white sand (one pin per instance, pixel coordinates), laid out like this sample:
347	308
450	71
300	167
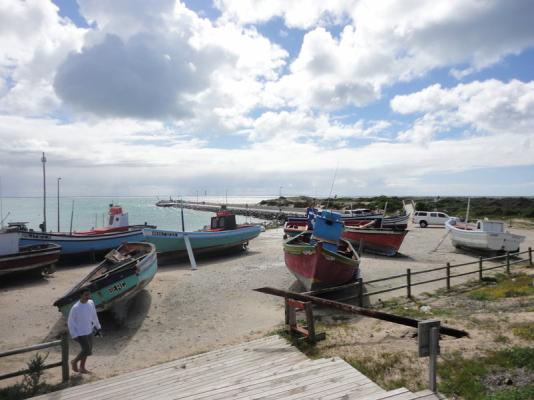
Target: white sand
184	312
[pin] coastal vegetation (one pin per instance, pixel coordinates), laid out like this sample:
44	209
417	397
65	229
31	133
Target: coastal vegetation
495	363
491	207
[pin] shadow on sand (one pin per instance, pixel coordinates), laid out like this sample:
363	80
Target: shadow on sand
115	337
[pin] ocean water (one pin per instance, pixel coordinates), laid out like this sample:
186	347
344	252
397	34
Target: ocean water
91	212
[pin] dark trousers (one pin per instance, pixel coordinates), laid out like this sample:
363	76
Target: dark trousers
86	344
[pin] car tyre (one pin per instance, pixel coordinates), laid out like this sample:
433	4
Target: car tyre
423	224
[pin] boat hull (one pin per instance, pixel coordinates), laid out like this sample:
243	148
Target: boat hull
173	242
29	259
484	241
74	244
379	241
316	267
117	288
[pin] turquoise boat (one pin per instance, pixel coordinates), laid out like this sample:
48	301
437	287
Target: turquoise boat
124	272
223	234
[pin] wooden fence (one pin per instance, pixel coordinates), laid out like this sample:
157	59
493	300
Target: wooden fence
508	261
64	363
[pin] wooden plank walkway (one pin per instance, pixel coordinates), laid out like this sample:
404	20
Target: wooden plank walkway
268	368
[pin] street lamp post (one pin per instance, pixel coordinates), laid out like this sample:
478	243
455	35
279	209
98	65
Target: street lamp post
58	179
43	160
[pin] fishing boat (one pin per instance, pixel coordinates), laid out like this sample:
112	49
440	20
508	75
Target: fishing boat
28	259
485	235
74	244
222	234
296	225
320	258
117	222
124	272
375	240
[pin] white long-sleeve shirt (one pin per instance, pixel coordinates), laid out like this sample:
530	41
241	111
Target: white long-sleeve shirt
82	319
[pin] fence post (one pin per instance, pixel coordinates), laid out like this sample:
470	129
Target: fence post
530	256
507	262
448	276
408	283
480	260
360	292
65	357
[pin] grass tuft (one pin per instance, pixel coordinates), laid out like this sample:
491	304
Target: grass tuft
516	286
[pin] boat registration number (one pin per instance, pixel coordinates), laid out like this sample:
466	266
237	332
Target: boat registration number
117	287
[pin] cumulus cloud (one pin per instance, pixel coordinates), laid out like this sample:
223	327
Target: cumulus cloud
390	41
34	40
294	12
488	107
145	77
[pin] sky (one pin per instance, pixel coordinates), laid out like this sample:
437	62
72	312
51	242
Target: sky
262	97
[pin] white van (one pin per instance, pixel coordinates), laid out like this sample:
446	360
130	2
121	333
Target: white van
425	218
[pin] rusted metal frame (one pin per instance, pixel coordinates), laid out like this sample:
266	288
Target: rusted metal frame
386	279
464	274
494	267
358	310
26	371
429	281
386	290
428	270
333	289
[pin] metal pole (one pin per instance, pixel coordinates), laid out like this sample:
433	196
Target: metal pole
467	213
43	160
71	216
408	283
448	276
182	214
432	364
65	357
383	215
1	206
507	262
58	226
530	256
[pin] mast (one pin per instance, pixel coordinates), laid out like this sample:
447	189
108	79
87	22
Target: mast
1	205
43	160
467	212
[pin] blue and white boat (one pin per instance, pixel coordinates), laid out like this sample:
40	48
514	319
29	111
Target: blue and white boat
72	243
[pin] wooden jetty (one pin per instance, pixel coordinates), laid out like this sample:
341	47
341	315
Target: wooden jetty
252	210
266	368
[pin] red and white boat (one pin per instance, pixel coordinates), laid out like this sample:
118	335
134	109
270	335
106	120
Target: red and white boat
16	259
375	240
320	259
117	222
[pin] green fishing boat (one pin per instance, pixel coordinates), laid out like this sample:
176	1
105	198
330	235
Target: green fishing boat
123	274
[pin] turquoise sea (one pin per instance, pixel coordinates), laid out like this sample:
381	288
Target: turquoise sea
91	212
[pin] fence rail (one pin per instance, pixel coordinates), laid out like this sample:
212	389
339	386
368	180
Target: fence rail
508	263
64	363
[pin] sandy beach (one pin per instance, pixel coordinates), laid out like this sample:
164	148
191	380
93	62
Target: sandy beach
183	312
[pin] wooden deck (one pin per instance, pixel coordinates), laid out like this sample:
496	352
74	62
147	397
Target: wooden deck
268	368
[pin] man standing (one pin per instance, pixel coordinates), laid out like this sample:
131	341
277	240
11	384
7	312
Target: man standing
82	321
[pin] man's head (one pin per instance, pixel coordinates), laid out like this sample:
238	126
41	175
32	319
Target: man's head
85	295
